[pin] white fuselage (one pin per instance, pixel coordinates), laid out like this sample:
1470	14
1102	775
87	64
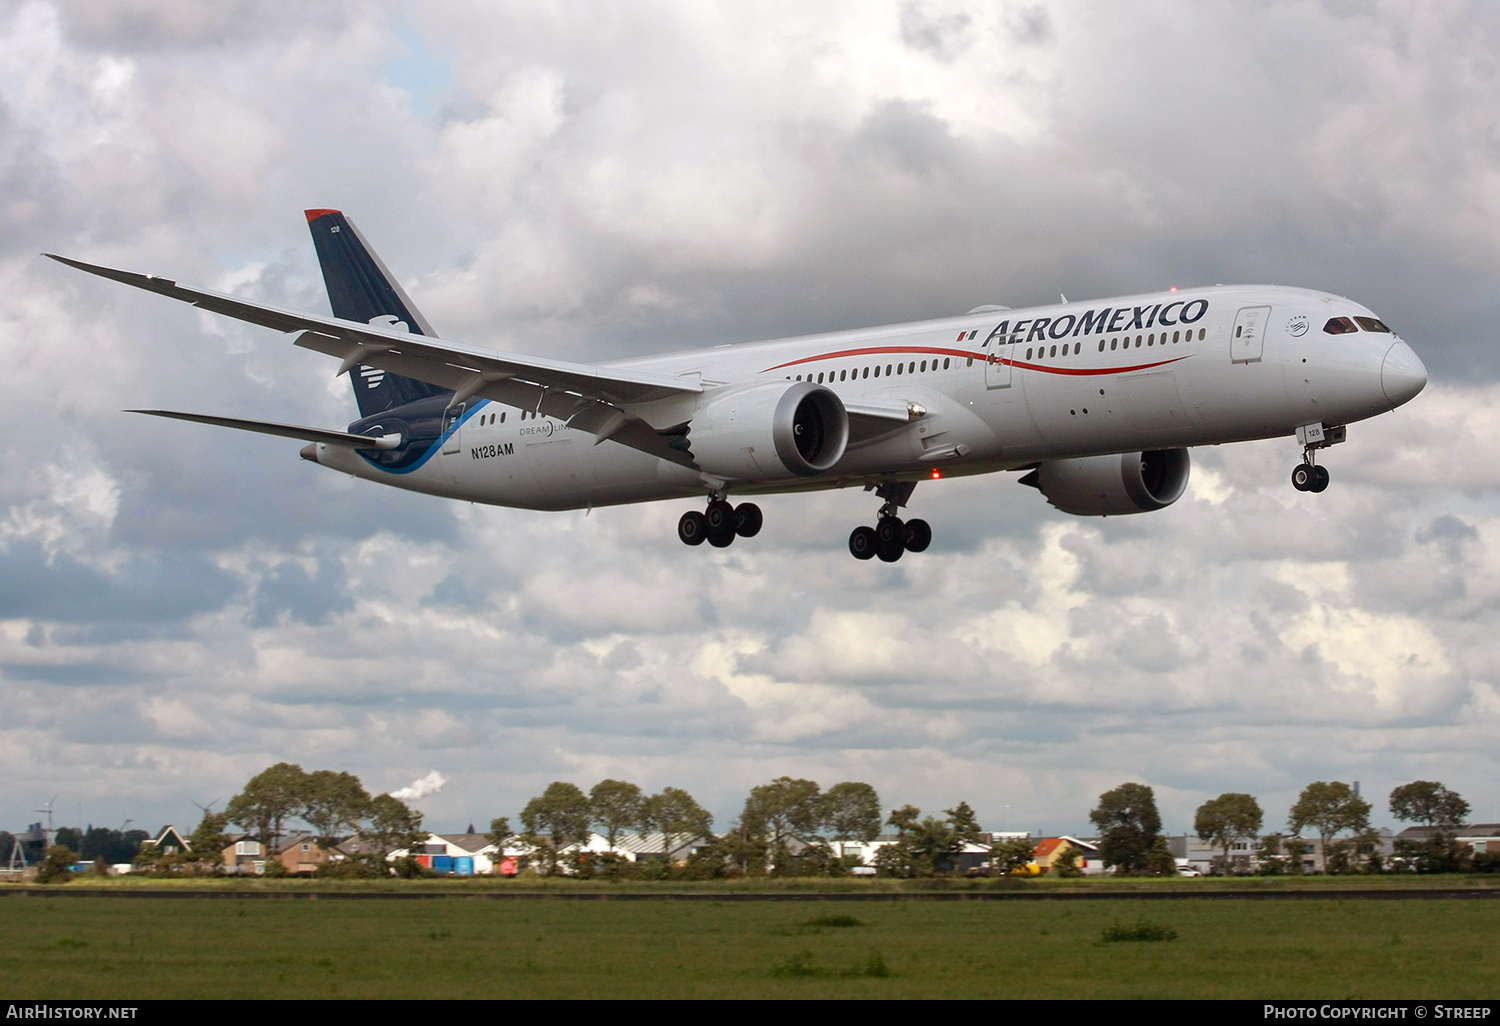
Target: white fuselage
1001	390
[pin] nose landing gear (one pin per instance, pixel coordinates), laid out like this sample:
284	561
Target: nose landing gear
720	524
1308	476
891	536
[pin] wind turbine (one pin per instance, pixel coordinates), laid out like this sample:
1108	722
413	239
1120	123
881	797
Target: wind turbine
49	835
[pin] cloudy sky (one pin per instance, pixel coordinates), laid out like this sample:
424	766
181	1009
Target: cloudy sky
180	606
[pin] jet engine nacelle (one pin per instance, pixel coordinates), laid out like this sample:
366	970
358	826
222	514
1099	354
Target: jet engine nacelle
1098	486
771	431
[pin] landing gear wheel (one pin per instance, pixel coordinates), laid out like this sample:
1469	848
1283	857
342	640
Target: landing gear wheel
1302	477
890	539
889	530
918	535
719	515
862	543
1320	479
692	528
747	520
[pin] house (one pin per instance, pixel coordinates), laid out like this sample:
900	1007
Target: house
243	855
455	854
170	840
300	853
975	855
1050	850
1481	837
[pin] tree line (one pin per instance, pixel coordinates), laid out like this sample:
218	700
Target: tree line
1130	838
787	827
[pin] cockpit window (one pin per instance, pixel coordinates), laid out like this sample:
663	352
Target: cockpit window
1339	326
1372	324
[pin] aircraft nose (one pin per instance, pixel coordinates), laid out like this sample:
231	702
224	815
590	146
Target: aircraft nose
1402	375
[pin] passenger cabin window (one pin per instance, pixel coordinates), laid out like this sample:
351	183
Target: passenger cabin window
1339	326
1371	324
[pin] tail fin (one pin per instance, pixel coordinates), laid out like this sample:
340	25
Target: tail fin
361	289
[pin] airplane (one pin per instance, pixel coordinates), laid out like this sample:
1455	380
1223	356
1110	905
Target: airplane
1097	403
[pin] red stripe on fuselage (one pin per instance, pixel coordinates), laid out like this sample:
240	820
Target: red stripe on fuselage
964	355
960	353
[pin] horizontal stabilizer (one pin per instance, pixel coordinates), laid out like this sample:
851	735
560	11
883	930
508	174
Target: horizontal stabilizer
303	434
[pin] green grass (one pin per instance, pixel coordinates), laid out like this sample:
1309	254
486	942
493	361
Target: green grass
100	947
816	885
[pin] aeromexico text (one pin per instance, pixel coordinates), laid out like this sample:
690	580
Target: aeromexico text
1124	318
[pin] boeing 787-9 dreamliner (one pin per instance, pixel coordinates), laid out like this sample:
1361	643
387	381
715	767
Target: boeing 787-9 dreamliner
1096	402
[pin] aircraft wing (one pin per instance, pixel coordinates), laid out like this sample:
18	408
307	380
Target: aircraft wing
303	434
586	397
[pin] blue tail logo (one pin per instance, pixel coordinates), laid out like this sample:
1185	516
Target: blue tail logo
360	288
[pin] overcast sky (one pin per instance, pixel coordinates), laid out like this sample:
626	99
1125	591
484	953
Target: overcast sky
182	606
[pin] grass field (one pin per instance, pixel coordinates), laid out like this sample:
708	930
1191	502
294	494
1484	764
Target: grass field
453	947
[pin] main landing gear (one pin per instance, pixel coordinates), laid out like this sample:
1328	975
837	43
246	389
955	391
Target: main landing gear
890	537
1308	476
720	524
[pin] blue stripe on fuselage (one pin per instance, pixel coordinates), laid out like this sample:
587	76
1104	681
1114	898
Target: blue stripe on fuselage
435	447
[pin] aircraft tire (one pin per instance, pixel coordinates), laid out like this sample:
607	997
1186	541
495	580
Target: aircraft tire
1302	477
721	539
1320	479
692	528
918	535
747	520
862	542
890	531
719	517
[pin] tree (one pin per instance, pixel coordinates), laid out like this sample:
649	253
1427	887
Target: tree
333	804
928	845
904	818
785	808
393	826
556	819
964	823
1226	820
615	805
207	843
1014	853
101	842
57	867
678	816
1429	803
271	797
744	849
1440	810
500	834
852	813
1331	808
1128	827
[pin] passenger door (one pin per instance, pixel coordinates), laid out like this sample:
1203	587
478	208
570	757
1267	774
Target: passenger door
452	428
998	350
1247	338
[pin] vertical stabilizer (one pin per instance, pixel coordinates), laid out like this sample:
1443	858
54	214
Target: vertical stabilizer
361	289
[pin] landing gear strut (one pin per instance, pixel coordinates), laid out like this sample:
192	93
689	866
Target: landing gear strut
1308	476
891	536
720	523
